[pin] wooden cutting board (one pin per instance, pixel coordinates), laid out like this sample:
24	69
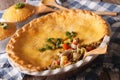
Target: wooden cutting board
6	3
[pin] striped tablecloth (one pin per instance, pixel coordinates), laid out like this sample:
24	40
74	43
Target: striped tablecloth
105	67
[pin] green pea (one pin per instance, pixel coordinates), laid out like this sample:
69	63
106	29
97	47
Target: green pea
42	49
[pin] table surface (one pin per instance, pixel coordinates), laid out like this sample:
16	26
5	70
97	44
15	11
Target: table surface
6	3
112	74
112	1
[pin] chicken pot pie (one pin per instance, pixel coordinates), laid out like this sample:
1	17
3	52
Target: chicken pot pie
18	12
56	40
6	29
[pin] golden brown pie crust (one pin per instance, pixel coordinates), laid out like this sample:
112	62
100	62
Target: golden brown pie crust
10	30
17	15
23	46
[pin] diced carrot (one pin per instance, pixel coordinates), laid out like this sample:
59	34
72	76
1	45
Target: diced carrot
89	48
71	48
65	46
75	42
56	62
66	62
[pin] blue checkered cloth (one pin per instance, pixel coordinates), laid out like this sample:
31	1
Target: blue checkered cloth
109	61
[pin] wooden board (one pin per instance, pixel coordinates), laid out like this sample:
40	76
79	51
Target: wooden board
112	1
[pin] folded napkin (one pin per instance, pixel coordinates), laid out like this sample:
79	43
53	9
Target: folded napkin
6	71
9	73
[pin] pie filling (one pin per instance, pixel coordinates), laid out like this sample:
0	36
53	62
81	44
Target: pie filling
71	49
